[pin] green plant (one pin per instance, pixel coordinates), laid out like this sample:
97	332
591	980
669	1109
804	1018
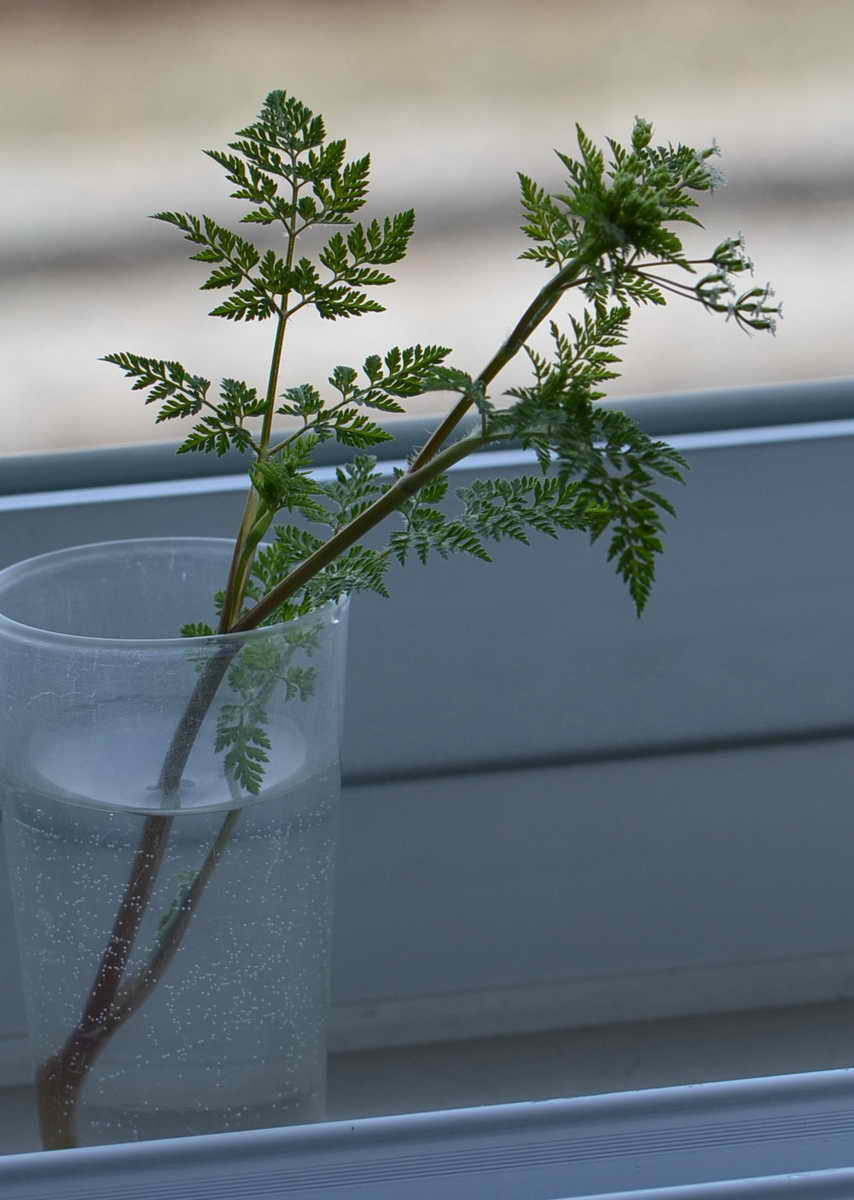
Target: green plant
607	236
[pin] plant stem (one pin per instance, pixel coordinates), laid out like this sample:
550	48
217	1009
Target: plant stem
233	588
109	1004
241	562
194	714
430	461
420	471
134	993
534	314
59	1079
386	504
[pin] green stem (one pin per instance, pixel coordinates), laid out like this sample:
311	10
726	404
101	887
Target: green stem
387	503
309	425
534	314
431	460
242	558
109	1004
235	585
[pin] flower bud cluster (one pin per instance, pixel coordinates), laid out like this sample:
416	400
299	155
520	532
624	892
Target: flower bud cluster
750	310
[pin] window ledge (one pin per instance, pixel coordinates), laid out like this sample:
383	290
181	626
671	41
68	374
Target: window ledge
752	1133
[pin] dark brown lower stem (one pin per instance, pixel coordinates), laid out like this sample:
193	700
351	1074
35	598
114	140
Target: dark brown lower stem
58	1083
108	1005
60	1078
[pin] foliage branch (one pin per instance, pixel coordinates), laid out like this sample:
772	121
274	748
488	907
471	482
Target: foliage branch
606	237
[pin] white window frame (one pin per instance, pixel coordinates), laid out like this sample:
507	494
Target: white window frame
541	704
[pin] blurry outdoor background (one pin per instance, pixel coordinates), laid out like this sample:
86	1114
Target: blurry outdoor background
105	107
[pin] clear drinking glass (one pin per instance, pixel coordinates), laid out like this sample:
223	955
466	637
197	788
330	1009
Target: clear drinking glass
169	807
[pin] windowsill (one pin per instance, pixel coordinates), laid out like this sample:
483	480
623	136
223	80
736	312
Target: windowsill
669	799
611	1058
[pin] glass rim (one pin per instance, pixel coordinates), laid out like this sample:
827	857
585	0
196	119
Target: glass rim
10	629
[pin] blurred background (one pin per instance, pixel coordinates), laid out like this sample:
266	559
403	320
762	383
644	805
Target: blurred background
105	107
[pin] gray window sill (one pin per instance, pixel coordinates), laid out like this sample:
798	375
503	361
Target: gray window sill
622	1057
772	1138
591	981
